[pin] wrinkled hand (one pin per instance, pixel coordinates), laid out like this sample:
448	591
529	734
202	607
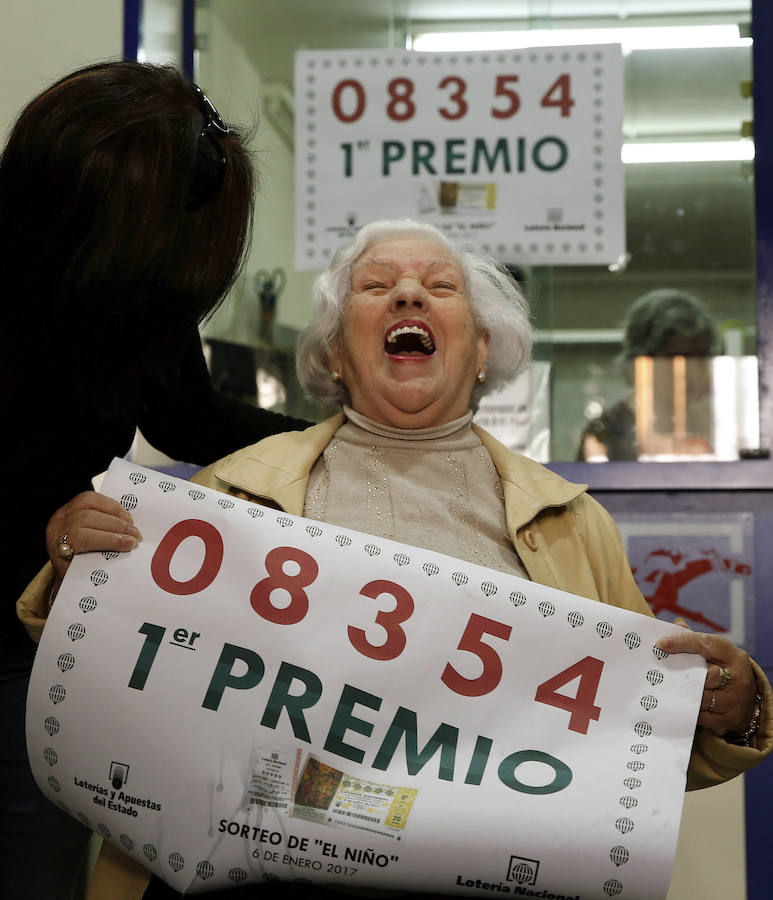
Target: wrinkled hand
91	521
724	710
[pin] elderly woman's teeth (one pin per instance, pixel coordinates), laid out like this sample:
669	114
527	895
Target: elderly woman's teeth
407	329
407	337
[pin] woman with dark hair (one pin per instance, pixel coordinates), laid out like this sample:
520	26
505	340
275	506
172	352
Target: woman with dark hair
125	214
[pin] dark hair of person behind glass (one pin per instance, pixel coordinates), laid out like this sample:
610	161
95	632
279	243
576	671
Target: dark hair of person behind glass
121	200
666	322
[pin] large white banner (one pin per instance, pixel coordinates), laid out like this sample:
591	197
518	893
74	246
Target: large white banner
517	152
250	695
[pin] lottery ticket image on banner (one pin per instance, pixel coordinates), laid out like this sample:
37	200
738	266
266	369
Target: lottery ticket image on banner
330	796
274	776
251	696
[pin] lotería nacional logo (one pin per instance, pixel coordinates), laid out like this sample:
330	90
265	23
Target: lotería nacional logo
522	870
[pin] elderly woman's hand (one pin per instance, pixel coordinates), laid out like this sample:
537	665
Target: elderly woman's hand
88	522
729	699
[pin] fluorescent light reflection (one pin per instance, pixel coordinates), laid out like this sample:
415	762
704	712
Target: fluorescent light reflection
735	405
670	37
688	151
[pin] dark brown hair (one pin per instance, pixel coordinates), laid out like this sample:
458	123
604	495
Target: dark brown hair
96	228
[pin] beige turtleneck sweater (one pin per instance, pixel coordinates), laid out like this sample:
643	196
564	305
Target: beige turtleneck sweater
435	488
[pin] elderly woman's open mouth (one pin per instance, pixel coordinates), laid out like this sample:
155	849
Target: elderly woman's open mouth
409	339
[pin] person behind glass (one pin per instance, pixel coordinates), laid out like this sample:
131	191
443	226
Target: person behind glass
408	331
662	323
125	212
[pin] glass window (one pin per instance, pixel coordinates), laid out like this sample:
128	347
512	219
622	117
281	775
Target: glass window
685	296
653	358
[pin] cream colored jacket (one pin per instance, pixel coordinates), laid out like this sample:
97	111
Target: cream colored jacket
563	537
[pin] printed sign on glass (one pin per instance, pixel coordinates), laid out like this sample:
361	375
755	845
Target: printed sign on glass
516	152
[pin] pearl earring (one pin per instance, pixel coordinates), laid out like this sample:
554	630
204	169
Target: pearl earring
336	375
481	376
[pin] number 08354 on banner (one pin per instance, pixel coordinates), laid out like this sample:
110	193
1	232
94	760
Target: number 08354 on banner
391	622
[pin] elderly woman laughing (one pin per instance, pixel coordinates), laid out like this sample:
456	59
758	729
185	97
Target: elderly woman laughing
407	332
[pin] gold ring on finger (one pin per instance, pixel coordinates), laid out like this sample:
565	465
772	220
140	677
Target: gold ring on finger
713	702
724	678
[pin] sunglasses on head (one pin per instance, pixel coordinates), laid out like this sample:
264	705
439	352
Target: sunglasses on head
209	163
